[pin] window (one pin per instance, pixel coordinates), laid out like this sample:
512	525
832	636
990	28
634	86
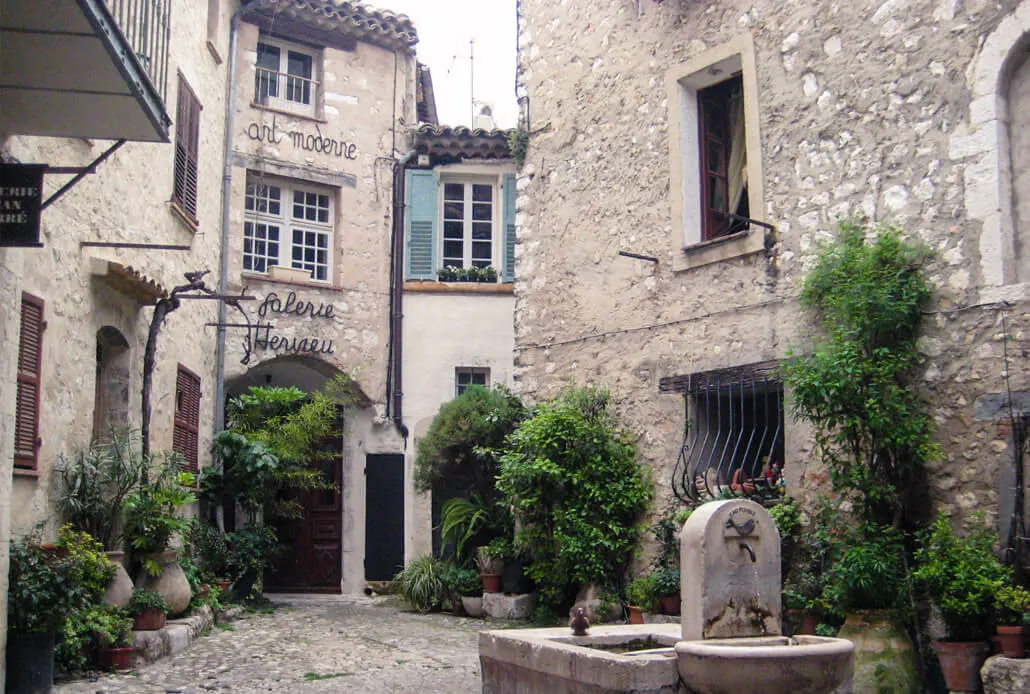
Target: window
715	165
468	225
287	224
187	417
467	376
285	76
30	361
187	145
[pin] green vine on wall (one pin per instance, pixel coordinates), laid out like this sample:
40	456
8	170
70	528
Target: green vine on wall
518	145
874	433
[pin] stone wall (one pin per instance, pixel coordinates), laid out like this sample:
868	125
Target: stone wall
863	109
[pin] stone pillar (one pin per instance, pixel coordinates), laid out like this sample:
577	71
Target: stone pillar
730	572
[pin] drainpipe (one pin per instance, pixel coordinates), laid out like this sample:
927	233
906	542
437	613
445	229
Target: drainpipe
223	250
393	373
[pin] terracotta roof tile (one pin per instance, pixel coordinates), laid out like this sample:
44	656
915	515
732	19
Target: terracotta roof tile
353	19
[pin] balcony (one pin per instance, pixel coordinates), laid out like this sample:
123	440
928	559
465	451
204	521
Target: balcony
85	68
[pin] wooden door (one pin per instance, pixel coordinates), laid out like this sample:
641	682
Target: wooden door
313	546
384	516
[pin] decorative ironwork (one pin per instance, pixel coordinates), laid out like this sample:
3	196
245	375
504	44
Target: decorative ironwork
736	448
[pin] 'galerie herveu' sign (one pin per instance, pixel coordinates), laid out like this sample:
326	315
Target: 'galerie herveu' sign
260	335
310	142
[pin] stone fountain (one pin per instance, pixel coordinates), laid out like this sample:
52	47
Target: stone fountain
729	640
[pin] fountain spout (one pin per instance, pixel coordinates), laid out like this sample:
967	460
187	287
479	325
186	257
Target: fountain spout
750	551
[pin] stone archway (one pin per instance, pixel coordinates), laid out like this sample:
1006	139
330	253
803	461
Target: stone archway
111	395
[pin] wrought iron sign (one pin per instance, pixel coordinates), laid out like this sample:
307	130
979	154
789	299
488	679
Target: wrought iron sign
21	189
260	336
309	142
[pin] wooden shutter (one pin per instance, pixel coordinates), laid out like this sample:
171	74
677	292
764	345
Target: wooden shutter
509	229
420	224
30	363
187	417
187	146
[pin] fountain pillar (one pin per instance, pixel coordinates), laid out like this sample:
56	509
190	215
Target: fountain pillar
730	572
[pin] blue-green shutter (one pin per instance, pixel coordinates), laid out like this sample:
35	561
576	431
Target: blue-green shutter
420	224
509	230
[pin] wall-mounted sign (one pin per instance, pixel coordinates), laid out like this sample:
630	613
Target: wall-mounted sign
260	335
21	191
307	141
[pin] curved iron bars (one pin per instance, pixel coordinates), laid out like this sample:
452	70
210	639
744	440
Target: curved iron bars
737	443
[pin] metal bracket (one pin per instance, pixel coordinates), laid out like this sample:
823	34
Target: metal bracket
80	173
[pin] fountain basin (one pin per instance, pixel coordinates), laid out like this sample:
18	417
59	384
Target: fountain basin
552	660
765	665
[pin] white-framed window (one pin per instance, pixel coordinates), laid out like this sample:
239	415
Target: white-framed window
286	76
468	224
465	376
290	224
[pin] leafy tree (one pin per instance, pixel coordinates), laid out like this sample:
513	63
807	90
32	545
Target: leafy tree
572	476
873	432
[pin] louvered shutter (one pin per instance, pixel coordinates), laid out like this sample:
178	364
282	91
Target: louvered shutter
187	147
509	230
30	362
187	417
420	224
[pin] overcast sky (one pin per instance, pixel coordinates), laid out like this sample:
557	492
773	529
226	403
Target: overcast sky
444	29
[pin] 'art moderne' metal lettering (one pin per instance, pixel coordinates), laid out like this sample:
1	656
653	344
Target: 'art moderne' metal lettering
309	142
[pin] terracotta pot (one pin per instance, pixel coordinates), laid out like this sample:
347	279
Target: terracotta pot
491	583
115	658
670	604
150	619
809	621
884	658
1011	641
961	662
636	615
224	584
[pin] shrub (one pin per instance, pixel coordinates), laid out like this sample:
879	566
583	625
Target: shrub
869	572
1010	604
666	581
459	581
96	625
641	592
143	599
574	481
421	583
961	575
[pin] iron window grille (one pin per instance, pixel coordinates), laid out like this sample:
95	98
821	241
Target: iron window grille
733	435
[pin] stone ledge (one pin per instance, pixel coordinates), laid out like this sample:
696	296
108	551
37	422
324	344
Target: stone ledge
177	634
502	606
1002	675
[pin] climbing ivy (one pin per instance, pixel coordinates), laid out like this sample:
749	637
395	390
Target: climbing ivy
873	432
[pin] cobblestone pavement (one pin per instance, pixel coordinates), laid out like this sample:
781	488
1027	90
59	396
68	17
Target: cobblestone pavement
315	644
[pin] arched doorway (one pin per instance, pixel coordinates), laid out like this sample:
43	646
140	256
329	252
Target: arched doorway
312	546
111	395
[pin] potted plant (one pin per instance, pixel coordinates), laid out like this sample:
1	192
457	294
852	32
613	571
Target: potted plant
447	273
667	588
210	551
421	583
151	521
112	631
252	549
46	586
961	575
148	610
490	562
1010	605
641	597
465	588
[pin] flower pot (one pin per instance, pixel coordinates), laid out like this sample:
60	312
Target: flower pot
150	619
224	584
1011	641
636	615
30	662
961	662
809	621
670	604
491	583
115	658
171	583
119	590
884	658
473	605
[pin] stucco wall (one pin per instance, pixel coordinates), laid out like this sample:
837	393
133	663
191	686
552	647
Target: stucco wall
864	109
442	331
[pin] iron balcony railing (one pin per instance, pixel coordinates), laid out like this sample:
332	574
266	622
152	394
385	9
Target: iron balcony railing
273	85
146	25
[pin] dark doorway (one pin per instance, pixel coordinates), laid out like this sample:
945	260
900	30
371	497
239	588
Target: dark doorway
313	545
384	516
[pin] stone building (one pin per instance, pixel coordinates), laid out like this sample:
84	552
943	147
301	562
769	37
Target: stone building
286	196
722	141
